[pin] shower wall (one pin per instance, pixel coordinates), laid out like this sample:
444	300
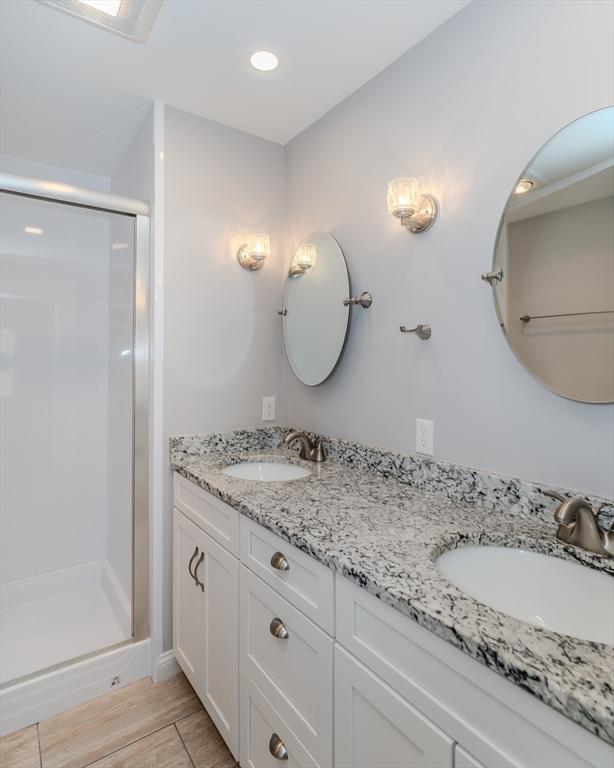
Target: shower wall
54	388
102	530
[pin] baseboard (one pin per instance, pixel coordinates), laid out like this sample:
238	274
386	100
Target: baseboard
50	693
166	667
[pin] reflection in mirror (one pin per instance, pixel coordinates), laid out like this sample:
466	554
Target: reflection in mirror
315	321
555	246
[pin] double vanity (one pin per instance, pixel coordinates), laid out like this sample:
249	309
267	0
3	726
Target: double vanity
382	610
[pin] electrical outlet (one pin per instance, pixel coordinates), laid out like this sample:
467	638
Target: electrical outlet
424	436
268	409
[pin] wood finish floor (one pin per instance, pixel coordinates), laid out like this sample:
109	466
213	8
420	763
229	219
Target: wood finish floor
144	725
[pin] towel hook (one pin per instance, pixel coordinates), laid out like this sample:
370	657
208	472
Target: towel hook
423	331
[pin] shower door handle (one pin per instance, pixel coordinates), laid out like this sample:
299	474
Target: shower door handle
199	583
194	556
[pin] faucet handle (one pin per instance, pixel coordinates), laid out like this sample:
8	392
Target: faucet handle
318	451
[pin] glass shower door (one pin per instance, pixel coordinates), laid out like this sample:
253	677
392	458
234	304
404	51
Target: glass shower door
66	432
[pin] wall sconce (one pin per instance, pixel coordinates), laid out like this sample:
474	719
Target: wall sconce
252	254
416	210
303	259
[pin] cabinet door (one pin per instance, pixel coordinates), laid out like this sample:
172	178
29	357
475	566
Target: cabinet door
205	623
188	603
376	728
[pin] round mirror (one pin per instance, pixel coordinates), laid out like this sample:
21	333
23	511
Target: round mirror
315	322
553	268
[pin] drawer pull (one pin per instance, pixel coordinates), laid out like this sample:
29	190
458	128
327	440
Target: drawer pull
194	556
277	748
279	561
278	629
196	567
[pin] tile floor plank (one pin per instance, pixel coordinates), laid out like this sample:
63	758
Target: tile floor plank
20	749
92	730
203	742
162	749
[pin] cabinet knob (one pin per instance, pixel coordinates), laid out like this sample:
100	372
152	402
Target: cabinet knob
277	748
278	629
279	561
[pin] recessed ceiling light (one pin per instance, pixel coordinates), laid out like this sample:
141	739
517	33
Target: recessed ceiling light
33	230
106	6
265	61
523	186
119	246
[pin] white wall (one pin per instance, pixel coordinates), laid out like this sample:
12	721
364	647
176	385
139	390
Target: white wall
464	110
36	170
222	344
133	177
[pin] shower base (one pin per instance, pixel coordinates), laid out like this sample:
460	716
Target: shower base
46	622
60	616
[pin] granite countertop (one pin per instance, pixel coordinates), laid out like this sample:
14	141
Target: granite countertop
385	536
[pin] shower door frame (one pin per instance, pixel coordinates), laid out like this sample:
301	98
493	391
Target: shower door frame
139	210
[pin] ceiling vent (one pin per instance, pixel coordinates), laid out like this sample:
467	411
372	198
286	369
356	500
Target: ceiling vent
132	19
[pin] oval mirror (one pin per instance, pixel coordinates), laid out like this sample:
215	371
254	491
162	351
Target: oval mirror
315	322
553	267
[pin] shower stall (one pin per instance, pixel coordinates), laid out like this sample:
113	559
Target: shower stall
73	439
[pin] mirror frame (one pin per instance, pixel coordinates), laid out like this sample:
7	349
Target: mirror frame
494	266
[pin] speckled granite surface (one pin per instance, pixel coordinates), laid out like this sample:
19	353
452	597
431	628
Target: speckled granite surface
381	519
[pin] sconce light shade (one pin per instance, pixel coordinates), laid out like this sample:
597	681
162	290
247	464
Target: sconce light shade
306	255
403	197
416	210
252	254
303	259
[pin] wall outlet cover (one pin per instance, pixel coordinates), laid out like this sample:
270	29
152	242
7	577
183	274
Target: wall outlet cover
424	436
268	409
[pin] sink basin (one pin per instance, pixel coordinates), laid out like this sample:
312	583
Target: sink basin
267	471
546	591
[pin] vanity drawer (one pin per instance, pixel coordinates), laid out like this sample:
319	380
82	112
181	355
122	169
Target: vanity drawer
307	584
211	514
295	673
262	728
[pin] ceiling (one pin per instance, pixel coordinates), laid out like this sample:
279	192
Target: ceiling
73	95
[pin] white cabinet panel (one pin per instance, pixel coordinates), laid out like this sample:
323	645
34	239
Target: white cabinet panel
376	728
211	514
462	759
293	668
205	623
220	574
307	584
260	723
188	611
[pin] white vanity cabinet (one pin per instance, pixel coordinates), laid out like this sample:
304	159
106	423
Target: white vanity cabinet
286	652
206	615
403	677
377	728
299	666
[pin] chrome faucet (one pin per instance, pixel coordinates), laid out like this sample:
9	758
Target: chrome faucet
312	451
578	525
